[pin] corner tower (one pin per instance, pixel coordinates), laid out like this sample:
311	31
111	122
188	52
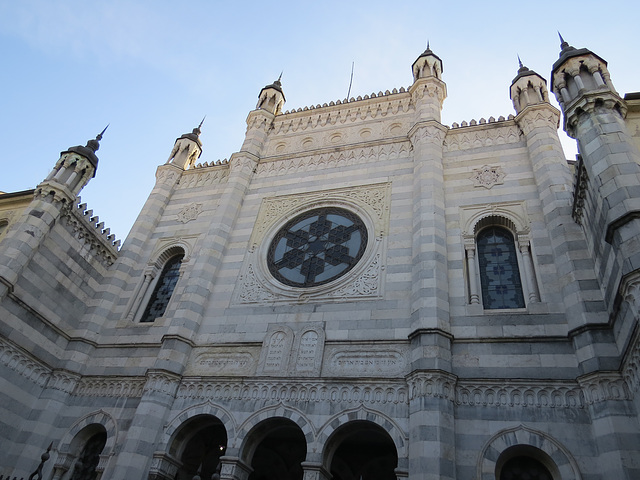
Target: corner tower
594	115
53	198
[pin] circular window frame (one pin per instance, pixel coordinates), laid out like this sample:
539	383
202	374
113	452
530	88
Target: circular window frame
344	213
290	215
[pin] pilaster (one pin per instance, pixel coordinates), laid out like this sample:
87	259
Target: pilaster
576	271
429	295
431	426
137	450
616	435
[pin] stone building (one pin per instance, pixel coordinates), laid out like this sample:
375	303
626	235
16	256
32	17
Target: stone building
360	292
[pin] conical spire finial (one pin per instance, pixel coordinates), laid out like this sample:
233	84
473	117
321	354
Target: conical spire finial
522	68
563	43
197	130
94	145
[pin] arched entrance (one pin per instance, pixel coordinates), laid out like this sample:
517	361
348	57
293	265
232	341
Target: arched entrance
524	462
361	450
275	449
198	445
89	458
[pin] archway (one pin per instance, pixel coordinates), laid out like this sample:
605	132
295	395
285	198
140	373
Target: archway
89	443
524	462
198	445
275	449
361	450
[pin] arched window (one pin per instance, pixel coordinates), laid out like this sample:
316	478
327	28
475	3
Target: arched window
163	290
499	273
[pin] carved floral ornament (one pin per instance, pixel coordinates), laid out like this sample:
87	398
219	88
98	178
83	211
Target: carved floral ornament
488	176
190	212
369	204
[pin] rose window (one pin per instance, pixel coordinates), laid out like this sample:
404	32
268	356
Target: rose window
317	247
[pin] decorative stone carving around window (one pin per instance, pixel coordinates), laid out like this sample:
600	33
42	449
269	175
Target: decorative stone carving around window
509	216
367	204
166	251
488	176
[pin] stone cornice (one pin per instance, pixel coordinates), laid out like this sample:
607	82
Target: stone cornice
88	229
481	135
604	386
587	103
340	111
540	115
333	158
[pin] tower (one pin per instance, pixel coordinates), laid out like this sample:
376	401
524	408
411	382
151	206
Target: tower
431	334
608	196
53	197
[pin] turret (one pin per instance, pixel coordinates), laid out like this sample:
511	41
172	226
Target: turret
580	81
528	88
427	65
187	149
72	172
428	90
271	98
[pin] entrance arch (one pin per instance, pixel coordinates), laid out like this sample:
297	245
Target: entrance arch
361	450
198	445
275	449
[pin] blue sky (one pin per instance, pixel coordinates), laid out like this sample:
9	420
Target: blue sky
153	69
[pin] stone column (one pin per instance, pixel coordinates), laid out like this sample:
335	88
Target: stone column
474	296
430	283
137	450
431	426
314	471
529	274
609	402
233	468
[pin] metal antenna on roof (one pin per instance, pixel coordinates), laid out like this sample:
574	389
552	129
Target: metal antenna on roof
350	81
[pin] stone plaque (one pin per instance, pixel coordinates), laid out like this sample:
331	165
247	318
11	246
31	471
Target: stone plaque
276	350
221	362
308	351
366	363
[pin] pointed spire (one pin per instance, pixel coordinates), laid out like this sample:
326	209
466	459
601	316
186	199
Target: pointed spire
428	48
197	130
563	43
522	68
94	145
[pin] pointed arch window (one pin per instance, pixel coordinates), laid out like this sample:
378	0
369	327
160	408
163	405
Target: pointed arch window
499	272
163	290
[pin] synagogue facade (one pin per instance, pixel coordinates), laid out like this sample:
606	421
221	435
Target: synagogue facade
359	292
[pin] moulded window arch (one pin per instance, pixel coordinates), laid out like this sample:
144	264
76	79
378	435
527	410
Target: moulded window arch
153	294
499	265
163	290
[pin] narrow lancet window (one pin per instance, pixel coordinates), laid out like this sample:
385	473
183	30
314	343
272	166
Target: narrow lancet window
163	290
499	273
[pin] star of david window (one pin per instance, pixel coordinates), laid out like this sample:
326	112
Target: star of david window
317	247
